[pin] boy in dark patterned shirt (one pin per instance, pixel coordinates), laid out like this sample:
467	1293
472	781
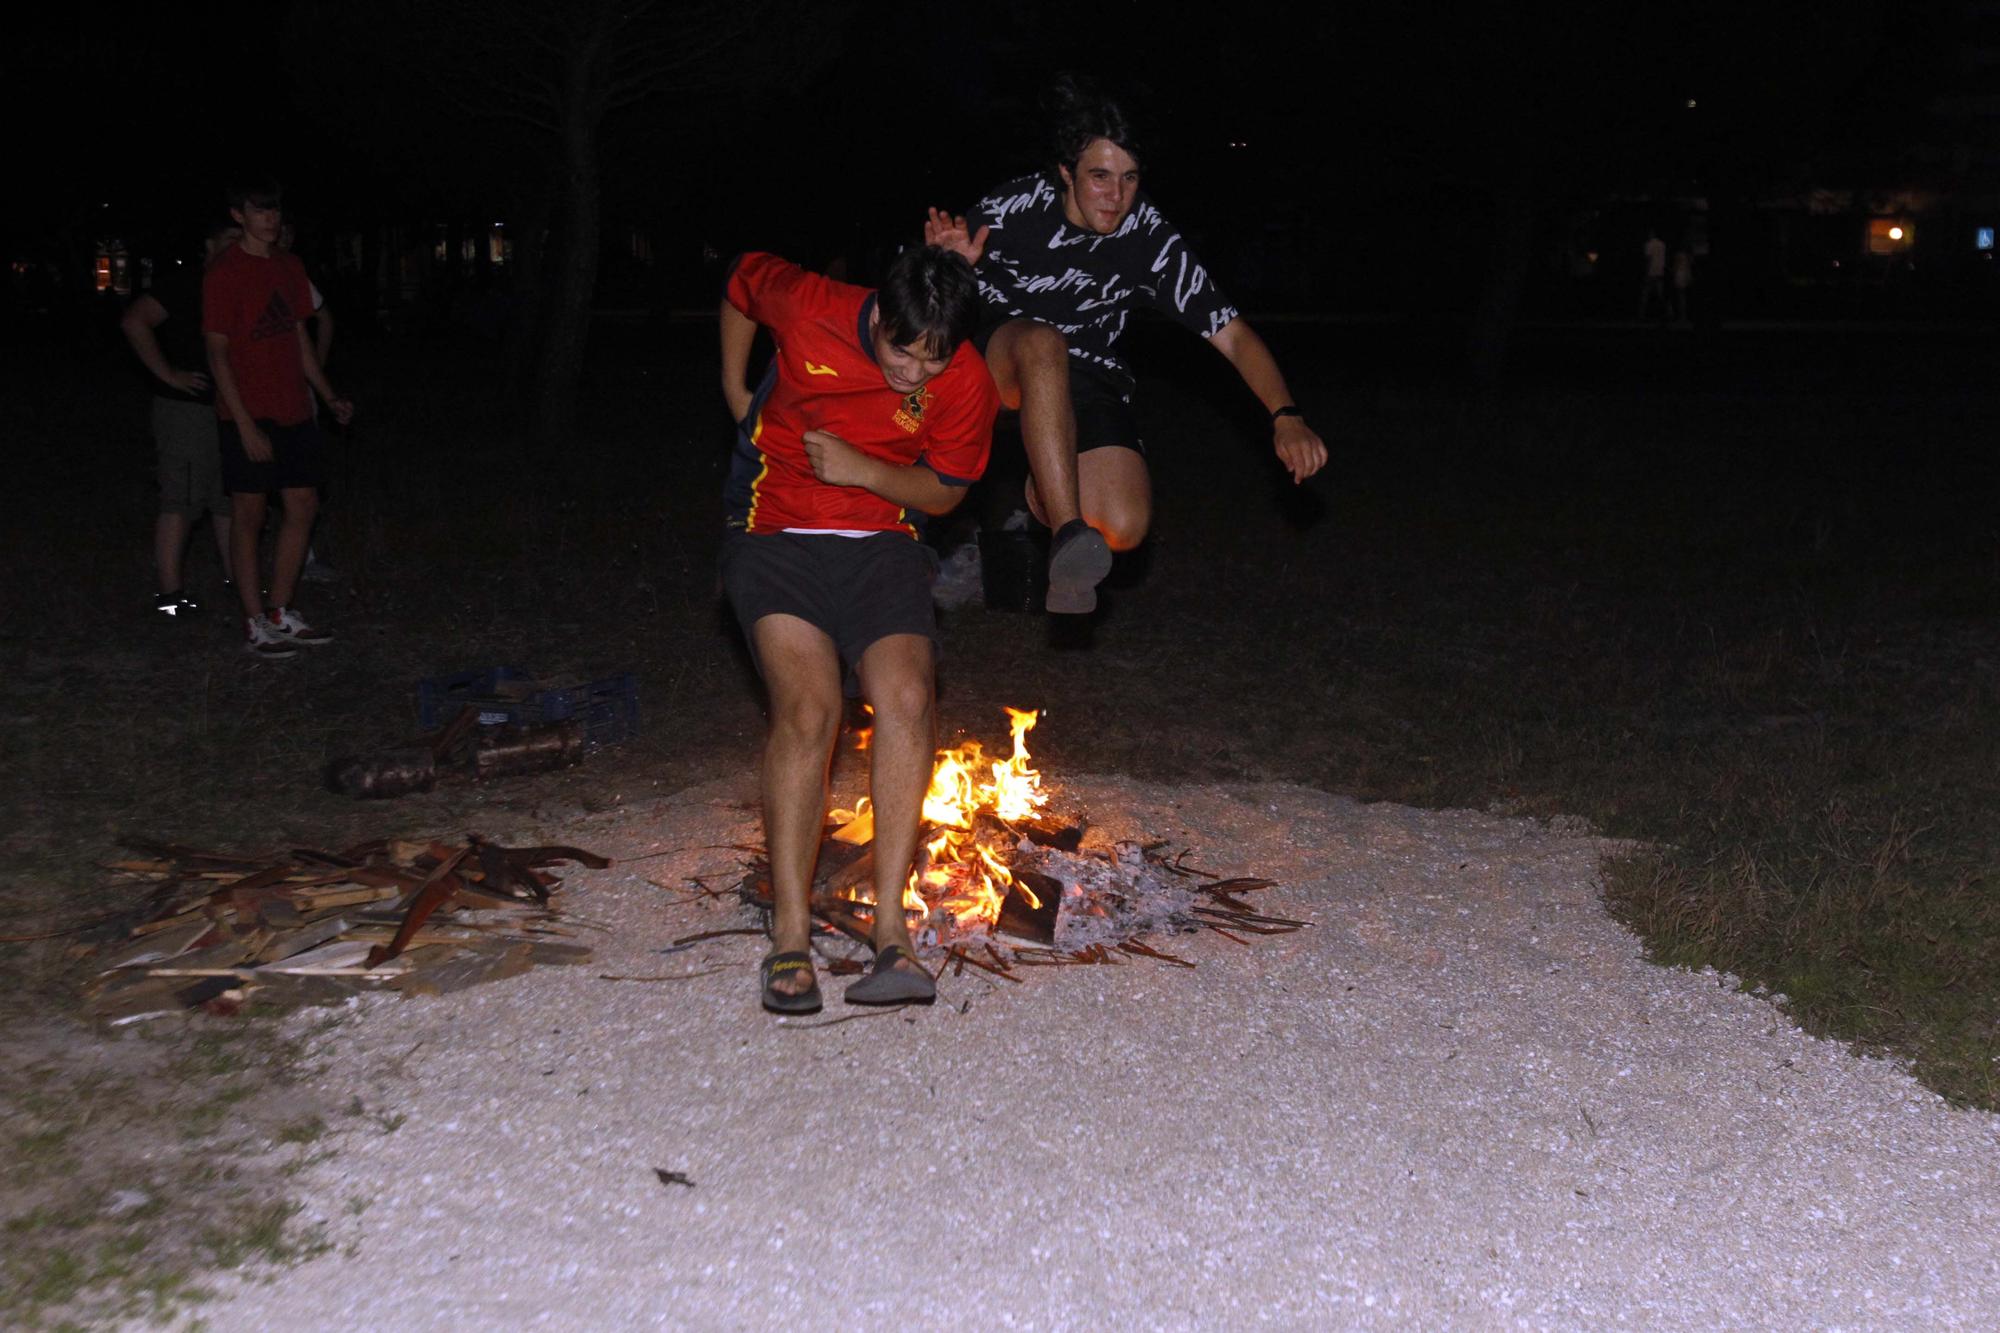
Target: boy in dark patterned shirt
1063	259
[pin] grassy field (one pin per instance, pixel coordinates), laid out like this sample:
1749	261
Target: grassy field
1731	594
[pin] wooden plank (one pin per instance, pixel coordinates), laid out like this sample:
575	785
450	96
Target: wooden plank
469	970
159	946
293	942
198	910
318	900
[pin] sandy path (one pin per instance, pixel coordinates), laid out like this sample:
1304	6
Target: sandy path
1461	1098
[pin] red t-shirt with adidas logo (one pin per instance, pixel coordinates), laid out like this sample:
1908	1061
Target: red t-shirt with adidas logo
257	302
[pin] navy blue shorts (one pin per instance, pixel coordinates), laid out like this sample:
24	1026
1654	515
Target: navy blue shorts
297	458
854	590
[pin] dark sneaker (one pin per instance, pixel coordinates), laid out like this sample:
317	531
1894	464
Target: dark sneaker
261	639
174	605
289	626
1078	562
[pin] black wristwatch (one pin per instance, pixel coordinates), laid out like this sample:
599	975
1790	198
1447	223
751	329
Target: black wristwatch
1287	411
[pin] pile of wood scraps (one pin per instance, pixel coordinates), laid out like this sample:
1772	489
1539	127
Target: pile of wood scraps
314	926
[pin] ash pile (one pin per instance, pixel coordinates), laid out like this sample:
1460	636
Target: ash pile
1036	898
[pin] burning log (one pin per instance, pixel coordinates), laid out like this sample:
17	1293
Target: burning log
996	887
1030	907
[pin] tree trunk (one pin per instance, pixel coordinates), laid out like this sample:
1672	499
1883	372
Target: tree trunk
572	261
530	239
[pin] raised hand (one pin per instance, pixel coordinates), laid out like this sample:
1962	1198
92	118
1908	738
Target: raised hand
947	232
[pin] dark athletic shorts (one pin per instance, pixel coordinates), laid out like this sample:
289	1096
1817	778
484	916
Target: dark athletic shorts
855	590
296	458
1098	396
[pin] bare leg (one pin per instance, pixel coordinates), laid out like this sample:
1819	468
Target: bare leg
1117	494
1030	365
802	672
301	506
246	519
170	536
219	520
896	675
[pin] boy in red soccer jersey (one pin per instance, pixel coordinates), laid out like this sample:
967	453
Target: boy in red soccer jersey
255	299
875	405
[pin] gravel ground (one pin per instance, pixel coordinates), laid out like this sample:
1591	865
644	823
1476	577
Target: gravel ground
1461	1098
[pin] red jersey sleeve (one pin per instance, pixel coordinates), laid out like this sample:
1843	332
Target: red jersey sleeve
776	292
961	434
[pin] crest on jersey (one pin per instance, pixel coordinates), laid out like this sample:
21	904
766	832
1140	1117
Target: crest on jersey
910	416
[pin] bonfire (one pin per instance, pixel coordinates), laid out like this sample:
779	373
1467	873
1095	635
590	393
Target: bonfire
996	885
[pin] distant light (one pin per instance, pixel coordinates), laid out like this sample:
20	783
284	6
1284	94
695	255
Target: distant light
1690	104
1895	233
1983	239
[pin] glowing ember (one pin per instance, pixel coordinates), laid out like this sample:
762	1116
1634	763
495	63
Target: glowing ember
960	878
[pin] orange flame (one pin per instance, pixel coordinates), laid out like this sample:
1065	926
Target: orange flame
961	877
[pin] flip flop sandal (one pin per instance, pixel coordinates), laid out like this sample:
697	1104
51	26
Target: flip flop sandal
776	965
888	984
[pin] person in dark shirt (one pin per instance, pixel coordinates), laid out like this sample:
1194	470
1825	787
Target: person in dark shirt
164	327
1063	259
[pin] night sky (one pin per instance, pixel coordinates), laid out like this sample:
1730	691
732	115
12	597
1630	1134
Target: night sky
1253	112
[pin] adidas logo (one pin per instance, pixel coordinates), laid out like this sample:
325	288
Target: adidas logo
276	321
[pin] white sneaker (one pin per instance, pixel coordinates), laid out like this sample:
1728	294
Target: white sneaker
958	580
261	639
289	627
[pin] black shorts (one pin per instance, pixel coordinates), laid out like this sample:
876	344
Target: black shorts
854	590
1100	398
297	458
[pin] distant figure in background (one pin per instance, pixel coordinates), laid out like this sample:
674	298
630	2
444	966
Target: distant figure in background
317	568
164	327
255	299
1653	290
1681	275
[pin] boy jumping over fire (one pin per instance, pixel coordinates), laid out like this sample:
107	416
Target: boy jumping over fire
876	404
1064	258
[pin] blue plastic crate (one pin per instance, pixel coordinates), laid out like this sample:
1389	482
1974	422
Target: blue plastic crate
607	708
